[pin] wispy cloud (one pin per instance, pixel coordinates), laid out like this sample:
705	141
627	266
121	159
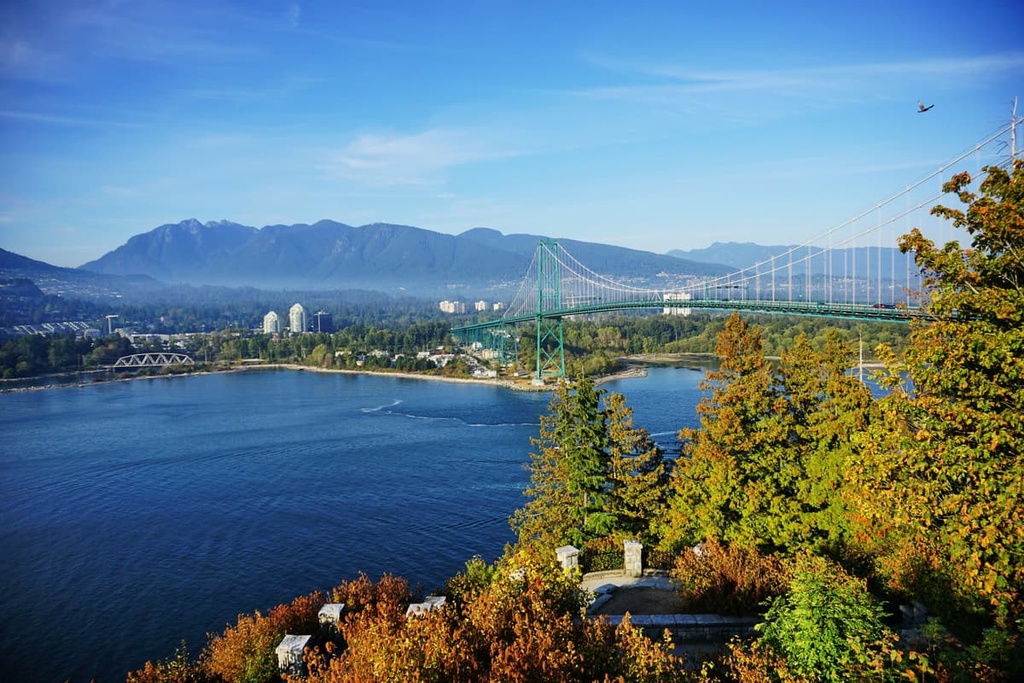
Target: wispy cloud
294	15
58	40
681	80
21	59
60	120
418	159
283	90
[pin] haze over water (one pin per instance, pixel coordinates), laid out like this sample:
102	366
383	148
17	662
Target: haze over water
138	514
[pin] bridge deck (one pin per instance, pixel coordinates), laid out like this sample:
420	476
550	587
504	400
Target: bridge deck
819	309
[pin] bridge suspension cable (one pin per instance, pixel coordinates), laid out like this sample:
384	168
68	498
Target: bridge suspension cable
852	270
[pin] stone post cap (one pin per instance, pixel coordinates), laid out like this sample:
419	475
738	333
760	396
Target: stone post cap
566	551
331	612
431	602
292	644
631	544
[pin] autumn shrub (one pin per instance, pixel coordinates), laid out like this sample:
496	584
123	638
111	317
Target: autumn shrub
521	621
528	584
389	596
721	579
244	653
524	624
656	558
471	581
176	669
638	659
750	662
997	656
915	570
387	647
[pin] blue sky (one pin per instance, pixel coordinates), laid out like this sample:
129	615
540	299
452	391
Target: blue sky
651	125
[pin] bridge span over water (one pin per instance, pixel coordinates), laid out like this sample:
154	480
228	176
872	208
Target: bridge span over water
851	271
152	360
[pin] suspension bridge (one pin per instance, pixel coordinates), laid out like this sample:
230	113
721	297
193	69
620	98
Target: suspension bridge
853	270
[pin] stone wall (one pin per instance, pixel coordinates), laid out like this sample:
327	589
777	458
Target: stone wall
691	628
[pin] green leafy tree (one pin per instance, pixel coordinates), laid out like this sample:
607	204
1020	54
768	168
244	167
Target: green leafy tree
765	469
828	626
708	481
942	475
826	408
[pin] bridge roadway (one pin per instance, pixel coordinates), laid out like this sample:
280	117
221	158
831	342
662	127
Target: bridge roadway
817	309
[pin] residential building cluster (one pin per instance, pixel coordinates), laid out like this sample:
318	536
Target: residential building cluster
479	306
298	321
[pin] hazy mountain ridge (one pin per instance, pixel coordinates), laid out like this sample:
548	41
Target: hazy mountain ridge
382	256
735	254
50	279
887	263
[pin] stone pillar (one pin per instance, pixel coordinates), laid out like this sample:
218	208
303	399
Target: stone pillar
330	615
633	558
568	557
289	655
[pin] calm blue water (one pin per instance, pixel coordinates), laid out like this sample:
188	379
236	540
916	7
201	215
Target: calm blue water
138	514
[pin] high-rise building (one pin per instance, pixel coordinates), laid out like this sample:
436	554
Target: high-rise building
297	319
324	322
271	323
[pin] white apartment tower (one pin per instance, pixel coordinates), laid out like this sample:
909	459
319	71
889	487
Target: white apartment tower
297	319
271	323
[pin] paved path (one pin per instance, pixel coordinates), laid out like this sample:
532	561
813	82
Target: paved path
594	582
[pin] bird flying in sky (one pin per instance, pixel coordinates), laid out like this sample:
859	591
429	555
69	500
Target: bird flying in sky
921	108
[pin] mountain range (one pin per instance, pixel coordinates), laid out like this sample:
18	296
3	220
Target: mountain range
380	256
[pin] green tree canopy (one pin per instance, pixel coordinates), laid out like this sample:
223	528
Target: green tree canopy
765	468
943	473
592	474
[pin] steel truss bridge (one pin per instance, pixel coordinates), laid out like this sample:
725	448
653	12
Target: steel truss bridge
152	360
853	271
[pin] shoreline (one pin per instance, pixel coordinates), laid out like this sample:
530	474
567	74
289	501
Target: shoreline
512	385
636	367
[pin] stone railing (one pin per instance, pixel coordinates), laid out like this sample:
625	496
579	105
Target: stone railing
632	557
691	628
683	628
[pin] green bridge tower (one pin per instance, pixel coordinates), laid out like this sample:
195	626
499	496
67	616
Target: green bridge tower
550	347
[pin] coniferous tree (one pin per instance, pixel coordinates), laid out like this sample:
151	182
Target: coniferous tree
592	474
638	472
708	481
827	408
765	469
568	471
